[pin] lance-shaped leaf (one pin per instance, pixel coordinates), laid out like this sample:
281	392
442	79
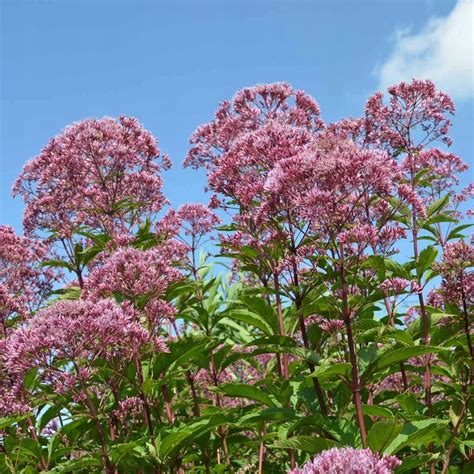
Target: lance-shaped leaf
249	317
382	434
308	444
391	357
416	433
425	259
327	372
186	434
250	392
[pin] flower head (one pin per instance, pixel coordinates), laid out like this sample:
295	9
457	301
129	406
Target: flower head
99	173
456	269
24	284
349	461
71	334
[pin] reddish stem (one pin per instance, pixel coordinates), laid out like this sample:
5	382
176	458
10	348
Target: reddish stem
352	351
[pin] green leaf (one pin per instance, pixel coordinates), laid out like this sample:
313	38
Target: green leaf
437	205
48	415
382	434
377	410
11	420
249	251
392	357
456	232
251	318
283	341
259	305
408	402
268	414
242	390
308	444
30	378
468	467
181	353
415	328
57	263
185	435
400	336
425	259
416	433
410	462
326	372
397	269
75	429
173	441
75	464
71	293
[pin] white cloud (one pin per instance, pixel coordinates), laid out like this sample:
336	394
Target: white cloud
442	51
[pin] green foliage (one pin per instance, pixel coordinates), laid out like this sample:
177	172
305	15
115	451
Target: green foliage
219	397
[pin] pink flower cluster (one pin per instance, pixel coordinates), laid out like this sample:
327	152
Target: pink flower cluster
349	461
414	118
249	135
101	173
139	276
326	324
457	272
329	185
268	154
129	408
24	284
398	285
263	156
416	104
197	219
62	341
249	110
191	222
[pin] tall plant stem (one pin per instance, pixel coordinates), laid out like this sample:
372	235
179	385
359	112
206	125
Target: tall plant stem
304	332
261	451
32	428
146	408
190	379
109	467
284	358
467	332
278	358
217	399
312	368
167	399
425	323
455	433
392	324
281	324
352	351
213	373
196	405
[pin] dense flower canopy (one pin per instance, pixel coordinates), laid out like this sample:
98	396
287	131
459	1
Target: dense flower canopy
103	174
24	284
260	126
413	106
141	277
249	111
74	332
344	319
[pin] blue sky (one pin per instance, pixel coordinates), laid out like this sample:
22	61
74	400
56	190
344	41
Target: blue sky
170	63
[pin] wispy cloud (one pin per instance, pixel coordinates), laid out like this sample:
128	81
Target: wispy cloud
442	51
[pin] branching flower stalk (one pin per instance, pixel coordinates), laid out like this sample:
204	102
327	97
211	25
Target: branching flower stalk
355	383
